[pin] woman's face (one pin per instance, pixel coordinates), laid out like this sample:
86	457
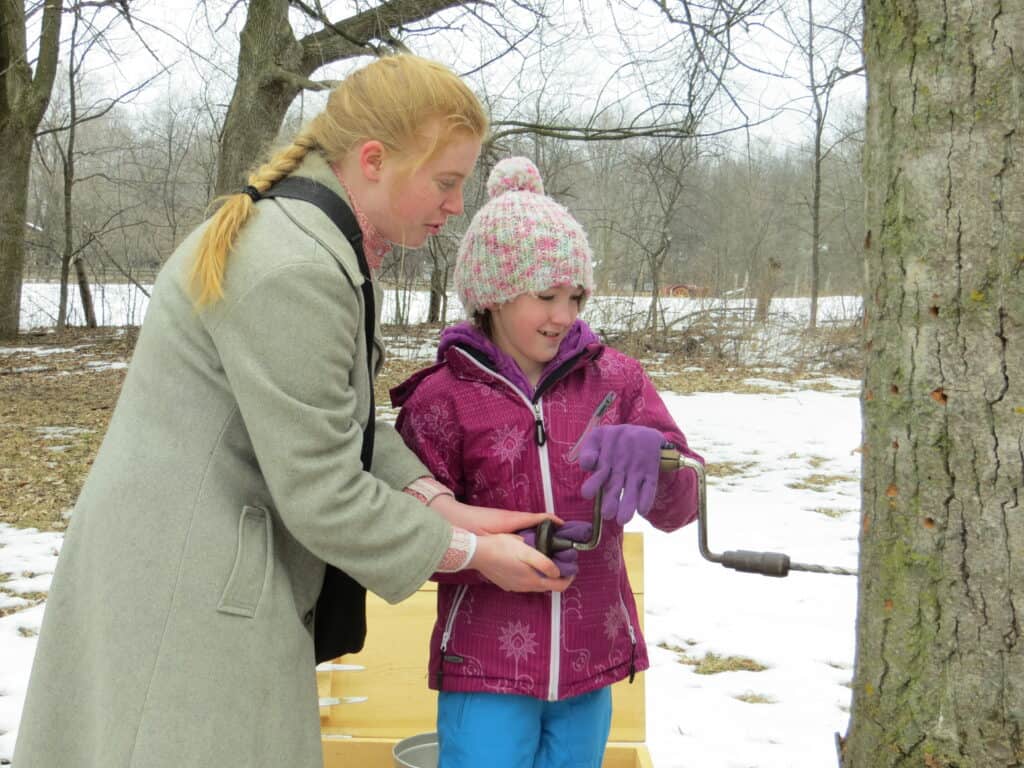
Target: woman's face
416	206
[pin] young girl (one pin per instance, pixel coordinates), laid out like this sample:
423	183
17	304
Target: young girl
183	615
524	679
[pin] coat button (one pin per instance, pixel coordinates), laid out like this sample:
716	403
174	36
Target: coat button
308	618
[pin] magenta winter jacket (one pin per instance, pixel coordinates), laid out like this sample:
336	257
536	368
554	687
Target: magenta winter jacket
485	433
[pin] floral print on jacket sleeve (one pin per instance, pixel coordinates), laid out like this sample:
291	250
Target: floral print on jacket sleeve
429	426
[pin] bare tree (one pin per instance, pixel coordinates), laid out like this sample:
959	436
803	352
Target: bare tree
939	664
829	46
748	222
274	67
657	180
442	258
24	95
89	27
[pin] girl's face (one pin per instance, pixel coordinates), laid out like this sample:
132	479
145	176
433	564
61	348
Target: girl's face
531	326
414	207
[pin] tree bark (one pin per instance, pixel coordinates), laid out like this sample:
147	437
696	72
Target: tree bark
274	66
939	675
14	172
23	100
766	284
437	312
819	126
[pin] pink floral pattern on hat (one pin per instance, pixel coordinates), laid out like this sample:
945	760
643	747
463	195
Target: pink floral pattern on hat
520	241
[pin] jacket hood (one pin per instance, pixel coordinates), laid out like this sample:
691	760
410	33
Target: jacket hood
580	338
465	335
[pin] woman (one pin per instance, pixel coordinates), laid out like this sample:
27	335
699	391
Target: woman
179	625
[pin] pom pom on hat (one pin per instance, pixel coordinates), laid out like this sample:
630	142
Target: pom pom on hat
520	241
514	174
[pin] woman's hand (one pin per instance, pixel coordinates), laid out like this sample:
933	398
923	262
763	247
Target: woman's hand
512	564
486	520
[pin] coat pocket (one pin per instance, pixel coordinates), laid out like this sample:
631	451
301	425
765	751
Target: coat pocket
252	564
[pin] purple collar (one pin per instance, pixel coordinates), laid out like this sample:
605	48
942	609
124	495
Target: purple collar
465	334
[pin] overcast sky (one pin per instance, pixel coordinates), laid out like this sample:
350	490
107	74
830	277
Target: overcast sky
585	61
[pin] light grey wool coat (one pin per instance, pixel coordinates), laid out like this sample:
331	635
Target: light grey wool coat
178	629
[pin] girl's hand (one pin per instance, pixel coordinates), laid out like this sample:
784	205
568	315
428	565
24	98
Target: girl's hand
486	520
512	564
625	460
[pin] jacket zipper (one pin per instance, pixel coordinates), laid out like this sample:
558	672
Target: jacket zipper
554	652
447	634
540	437
632	639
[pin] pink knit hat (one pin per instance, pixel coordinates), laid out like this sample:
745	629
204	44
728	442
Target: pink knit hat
521	241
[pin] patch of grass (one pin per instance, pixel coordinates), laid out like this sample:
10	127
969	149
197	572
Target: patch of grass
819	483
35	597
834	512
394	372
820	386
30	598
713	378
755	698
63	400
712	663
27	631
728	468
12	609
816	461
676	648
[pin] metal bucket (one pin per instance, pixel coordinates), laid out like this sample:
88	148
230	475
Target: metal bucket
419	751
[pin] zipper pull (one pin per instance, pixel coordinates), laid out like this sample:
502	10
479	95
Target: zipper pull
595	418
632	663
538	426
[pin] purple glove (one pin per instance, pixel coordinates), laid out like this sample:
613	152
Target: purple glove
574	530
625	459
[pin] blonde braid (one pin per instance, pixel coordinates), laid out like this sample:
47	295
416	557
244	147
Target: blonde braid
207	275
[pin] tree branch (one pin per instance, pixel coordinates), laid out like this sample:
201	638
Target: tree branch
351	37
281	75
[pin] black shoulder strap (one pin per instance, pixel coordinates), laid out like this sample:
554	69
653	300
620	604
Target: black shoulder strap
340	616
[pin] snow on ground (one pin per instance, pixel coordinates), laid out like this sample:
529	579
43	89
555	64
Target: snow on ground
27	559
800	627
793	488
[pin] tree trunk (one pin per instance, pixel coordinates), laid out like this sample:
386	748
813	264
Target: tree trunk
434	308
23	100
274	66
68	156
85	293
766	285
14	173
819	127
261	98
653	310
439	270
939	676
